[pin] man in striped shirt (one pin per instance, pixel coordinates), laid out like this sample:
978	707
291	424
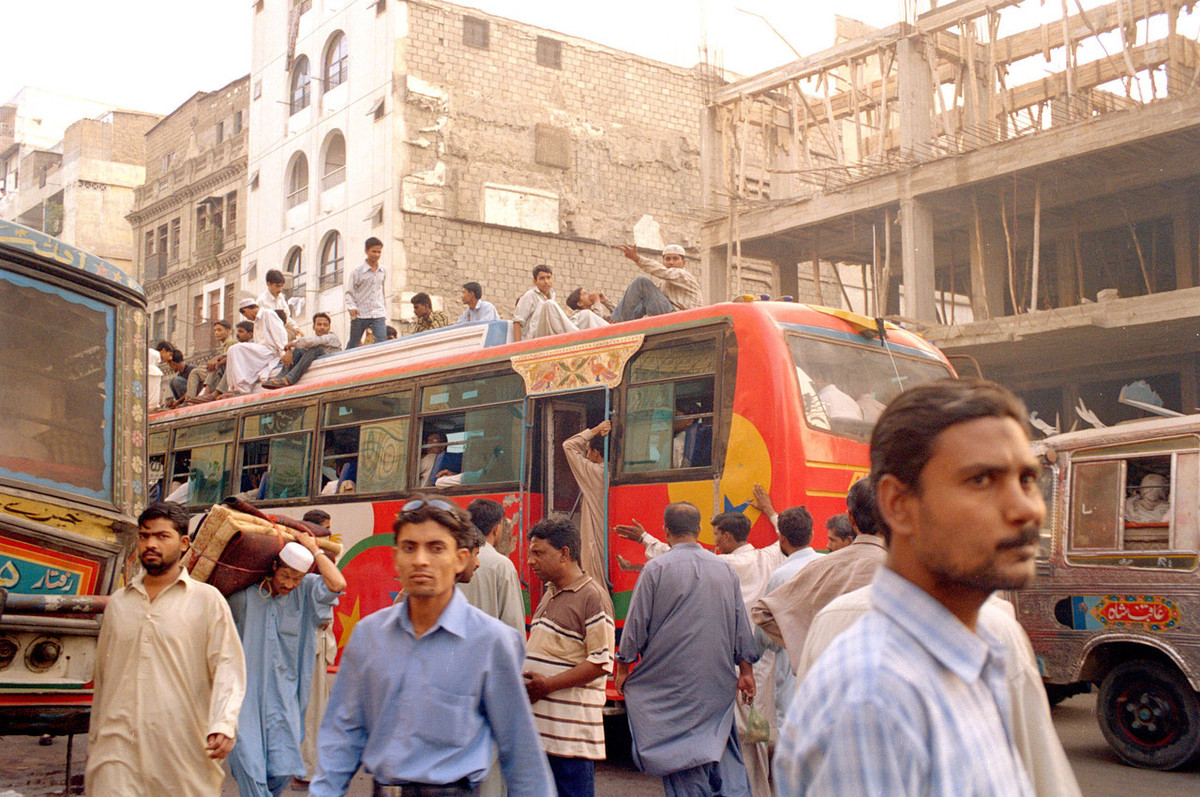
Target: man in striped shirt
572	644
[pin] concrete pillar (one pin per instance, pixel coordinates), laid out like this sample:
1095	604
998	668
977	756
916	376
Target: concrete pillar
711	169
786	259
915	93
1182	226
916	218
717	270
1065	271
989	265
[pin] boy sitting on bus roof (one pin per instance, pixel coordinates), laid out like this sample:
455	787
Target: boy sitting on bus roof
247	363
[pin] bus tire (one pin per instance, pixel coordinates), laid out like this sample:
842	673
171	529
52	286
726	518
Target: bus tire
1150	715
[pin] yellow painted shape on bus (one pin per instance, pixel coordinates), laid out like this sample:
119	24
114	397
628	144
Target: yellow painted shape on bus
59	517
747	462
349	620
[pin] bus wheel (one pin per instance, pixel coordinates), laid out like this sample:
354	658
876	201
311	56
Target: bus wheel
1150	715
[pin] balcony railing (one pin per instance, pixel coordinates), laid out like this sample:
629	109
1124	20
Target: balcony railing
209	244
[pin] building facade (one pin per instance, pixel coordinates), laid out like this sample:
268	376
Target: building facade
188	220
80	187
473	146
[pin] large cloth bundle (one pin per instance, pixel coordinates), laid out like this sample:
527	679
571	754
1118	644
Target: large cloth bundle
233	550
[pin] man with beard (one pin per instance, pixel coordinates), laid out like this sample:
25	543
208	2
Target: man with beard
169	675
927	711
279	622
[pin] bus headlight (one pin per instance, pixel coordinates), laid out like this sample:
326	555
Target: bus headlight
43	653
8	651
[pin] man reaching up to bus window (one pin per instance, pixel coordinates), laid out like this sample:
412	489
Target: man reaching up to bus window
169	675
585	456
279	622
680	289
247	363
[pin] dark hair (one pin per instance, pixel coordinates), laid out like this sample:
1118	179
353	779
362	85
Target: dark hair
391	332
682	519
475	288
166	509
221	322
839	526
796	526
475	539
860	505
573	298
734	523
422	298
903	439
177	356
539	268
246	325
596	443
282	315
432	432
324	315
163	345
372	241
318	516
485	514
559	532
275	277
455	520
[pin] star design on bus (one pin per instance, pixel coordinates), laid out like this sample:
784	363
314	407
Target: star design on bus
349	620
732	507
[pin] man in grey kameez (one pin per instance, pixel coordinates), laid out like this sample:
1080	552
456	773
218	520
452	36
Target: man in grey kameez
688	625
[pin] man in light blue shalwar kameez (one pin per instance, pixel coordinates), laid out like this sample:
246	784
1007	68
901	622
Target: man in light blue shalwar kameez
279	622
688	632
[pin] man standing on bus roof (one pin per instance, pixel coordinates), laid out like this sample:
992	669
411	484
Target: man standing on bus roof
169	675
397	708
478	309
680	289
247	363
537	314
279	621
366	300
928	710
688	632
585	457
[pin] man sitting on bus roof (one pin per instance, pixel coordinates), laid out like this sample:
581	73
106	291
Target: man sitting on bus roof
537	314
300	353
680	289
586	307
248	363
478	309
427	317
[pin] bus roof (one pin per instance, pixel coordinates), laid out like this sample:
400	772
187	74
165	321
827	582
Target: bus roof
787	316
1140	429
22	239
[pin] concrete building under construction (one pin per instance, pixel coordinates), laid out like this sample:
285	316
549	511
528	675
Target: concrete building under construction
1020	181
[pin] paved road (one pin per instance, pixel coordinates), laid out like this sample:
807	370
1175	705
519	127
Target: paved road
28	770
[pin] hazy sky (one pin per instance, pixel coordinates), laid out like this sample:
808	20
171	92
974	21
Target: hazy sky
153	54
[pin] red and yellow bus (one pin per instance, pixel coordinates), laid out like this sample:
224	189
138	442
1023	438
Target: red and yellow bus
705	404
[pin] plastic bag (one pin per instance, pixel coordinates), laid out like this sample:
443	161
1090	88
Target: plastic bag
757	727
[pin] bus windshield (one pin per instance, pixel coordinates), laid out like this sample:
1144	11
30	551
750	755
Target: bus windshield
56	384
844	387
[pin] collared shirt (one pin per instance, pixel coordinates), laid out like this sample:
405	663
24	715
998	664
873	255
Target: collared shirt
571	626
484	311
785	681
679	285
925	713
528	304
436	320
365	291
1033	729
495	589
169	672
431	709
785	613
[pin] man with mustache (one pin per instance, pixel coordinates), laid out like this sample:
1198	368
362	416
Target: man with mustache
928	709
169	675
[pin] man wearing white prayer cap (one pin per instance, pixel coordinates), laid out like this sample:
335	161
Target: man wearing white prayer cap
680	289
246	364
279	622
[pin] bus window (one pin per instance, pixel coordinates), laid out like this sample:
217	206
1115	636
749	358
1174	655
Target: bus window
1095	506
1126	504
669	418
201	461
1047	478
845	386
157	461
366	444
275	450
476	445
1146	511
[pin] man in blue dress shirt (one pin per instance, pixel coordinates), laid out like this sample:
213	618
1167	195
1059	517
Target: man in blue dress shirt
927	711
428	688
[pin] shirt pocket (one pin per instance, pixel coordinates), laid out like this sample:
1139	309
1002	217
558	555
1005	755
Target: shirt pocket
440	717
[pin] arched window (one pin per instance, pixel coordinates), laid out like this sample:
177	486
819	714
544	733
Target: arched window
298	181
333	257
333	166
300	85
337	60
294	268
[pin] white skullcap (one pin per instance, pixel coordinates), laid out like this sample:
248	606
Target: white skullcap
247	302
1154	480
297	557
674	249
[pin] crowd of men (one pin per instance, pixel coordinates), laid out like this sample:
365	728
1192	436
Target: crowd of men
886	666
268	349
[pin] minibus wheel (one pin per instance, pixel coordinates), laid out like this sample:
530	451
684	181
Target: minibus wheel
1149	714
